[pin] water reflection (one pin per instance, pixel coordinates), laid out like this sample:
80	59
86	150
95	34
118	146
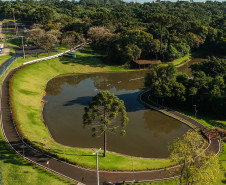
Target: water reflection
148	132
127	98
186	67
102	81
159	124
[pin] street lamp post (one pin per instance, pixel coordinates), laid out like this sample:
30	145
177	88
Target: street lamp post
195	110
96	152
23	46
133	171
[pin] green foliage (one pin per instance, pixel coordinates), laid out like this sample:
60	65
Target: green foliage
206	89
96	2
193	170
164	31
214	67
162	83
105	113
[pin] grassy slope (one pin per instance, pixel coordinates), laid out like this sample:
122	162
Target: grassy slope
181	60
222	157
28	88
14	169
17	171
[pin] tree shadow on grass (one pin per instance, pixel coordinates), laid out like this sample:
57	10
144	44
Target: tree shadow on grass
9	156
86	57
89	60
224	180
56	152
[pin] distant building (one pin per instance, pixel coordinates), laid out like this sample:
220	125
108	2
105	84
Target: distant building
1	48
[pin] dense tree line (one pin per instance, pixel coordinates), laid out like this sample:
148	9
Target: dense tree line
161	30
206	89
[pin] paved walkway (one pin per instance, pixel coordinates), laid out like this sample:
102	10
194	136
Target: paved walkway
76	173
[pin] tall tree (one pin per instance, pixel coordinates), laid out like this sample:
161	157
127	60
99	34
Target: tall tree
70	38
41	38
105	113
193	169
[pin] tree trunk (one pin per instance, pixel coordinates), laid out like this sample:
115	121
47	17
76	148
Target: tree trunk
48	53
105	143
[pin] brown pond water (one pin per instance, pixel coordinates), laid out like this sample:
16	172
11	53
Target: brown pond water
148	132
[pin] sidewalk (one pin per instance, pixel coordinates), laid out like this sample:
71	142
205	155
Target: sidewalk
76	173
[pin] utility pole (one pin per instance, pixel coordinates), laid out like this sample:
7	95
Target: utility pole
195	110
14	20
23	46
133	171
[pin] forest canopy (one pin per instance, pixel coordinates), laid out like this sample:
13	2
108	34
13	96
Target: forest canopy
159	30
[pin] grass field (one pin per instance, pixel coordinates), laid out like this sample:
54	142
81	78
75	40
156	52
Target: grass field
28	88
15	170
179	61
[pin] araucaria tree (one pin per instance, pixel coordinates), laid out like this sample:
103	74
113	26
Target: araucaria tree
105	113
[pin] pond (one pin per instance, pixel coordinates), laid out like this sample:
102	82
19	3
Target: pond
148	132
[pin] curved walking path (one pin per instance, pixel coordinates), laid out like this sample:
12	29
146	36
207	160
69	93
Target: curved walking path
76	173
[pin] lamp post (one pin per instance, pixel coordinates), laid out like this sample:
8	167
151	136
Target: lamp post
133	171
23	143
96	152
23	46
195	110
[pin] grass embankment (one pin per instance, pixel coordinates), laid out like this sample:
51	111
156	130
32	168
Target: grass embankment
28	87
14	169
179	61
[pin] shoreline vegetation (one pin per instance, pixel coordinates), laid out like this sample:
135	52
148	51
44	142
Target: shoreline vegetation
27	113
120	32
20	91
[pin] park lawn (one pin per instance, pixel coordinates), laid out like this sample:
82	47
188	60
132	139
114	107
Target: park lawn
15	170
180	60
28	86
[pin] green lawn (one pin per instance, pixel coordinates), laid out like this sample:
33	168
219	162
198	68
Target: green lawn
28	88
17	171
179	61
14	169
